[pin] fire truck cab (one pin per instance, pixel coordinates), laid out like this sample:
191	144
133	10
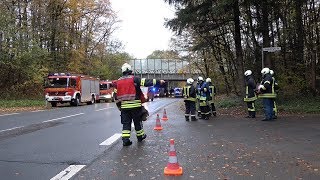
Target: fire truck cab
73	89
106	91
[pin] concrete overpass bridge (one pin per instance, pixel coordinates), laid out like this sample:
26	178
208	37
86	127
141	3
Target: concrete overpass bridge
166	69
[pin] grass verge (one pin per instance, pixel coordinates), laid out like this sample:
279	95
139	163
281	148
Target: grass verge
22	103
306	104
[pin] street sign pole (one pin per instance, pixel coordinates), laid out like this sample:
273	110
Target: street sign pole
262	60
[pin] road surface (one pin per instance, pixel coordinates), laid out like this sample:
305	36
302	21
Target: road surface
84	143
41	144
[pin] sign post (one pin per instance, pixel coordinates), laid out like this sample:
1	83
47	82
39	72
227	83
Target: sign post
269	49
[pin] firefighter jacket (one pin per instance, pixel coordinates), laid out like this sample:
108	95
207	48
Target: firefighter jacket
212	91
128	92
204	92
189	93
198	89
266	88
275	84
250	89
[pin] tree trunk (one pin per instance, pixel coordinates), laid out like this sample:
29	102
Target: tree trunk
237	40
300	31
265	33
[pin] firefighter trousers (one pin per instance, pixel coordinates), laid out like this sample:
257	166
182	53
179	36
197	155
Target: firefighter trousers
198	106
275	110
251	109
205	109
190	108
129	115
212	107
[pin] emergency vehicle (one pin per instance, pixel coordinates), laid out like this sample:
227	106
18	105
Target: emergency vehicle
148	92
106	91
71	88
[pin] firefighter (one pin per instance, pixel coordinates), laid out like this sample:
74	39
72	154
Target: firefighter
212	94
267	93
128	99
274	87
251	96
198	88
189	94
203	98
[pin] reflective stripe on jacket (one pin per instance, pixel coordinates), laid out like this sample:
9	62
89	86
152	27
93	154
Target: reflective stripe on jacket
250	87
267	90
247	98
189	93
130	104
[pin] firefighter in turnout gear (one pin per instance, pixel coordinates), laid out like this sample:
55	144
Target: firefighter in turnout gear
212	94
251	96
275	87
267	93
204	106
189	94
128	100
198	88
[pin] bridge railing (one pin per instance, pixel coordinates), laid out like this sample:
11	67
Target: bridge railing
170	69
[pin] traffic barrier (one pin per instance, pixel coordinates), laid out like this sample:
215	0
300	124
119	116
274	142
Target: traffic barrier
164	117
173	168
158	126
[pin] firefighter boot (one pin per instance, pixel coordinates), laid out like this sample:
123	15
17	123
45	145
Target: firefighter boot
141	138
193	118
187	118
126	142
215	113
206	117
253	114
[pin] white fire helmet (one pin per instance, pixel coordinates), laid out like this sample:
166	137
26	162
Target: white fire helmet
200	78
126	67
190	80
271	72
208	80
248	73
265	71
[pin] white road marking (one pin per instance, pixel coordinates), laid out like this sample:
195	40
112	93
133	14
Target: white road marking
38	110
104	109
63	117
9	114
68	172
111	140
132	125
11	128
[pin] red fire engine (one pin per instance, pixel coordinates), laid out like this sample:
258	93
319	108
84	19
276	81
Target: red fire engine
106	91
69	88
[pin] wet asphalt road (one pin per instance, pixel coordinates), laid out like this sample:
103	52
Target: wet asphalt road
41	144
224	147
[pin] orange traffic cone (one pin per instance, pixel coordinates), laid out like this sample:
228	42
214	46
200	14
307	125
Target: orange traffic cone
173	167
158	126
164	117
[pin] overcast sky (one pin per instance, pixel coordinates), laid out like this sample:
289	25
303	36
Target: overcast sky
142	28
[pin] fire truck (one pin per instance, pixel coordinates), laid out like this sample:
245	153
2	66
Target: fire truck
71	88
106	91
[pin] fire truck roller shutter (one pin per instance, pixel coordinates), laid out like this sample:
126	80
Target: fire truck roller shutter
85	90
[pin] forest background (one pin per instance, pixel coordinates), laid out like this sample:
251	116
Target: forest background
221	38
